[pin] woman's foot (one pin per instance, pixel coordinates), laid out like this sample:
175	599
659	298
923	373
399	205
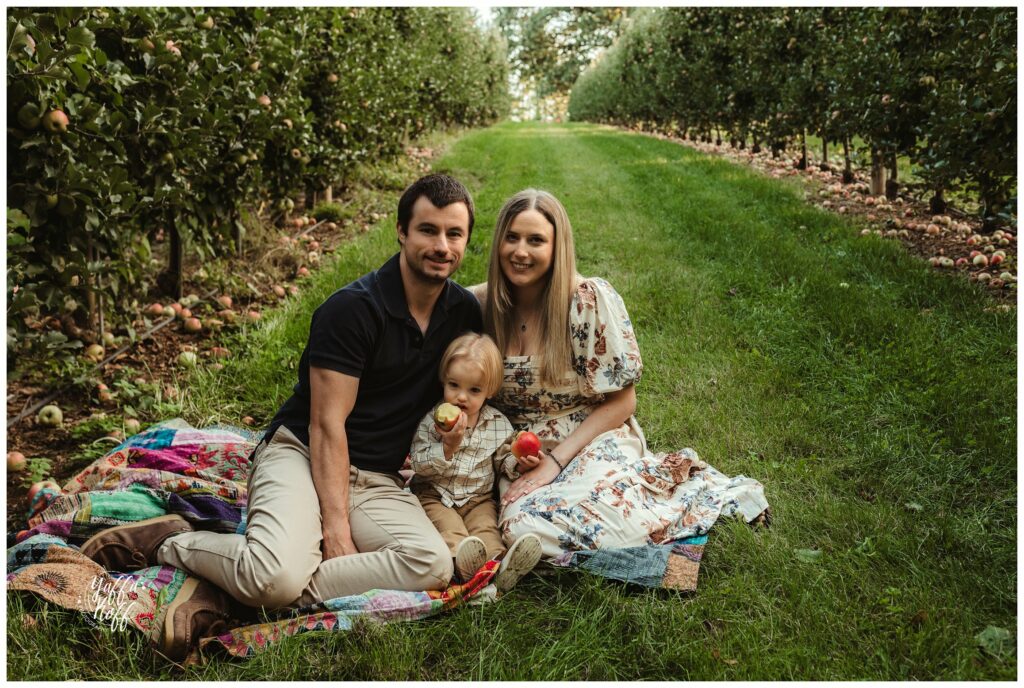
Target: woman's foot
470	555
520	559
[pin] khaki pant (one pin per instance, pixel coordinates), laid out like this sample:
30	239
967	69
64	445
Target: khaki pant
278	562
478	516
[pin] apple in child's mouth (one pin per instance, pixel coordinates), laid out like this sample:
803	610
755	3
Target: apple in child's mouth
525	444
447	415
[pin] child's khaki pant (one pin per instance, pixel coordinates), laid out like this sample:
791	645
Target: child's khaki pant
478	516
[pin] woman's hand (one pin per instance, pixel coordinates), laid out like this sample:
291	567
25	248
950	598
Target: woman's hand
545	472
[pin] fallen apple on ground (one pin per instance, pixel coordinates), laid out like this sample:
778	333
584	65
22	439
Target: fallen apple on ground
193	325
15	461
447	415
525	444
37	487
50	416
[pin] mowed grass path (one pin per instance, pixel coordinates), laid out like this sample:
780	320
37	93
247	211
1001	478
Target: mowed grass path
873	397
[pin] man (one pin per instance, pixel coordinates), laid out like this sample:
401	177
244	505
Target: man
327	515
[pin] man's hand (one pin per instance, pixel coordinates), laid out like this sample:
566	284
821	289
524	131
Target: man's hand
337	540
452	440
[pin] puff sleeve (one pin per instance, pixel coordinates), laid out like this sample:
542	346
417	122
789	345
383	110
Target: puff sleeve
606	357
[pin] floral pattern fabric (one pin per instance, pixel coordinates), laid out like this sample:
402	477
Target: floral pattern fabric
615	493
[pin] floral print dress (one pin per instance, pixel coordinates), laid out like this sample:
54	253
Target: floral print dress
614	493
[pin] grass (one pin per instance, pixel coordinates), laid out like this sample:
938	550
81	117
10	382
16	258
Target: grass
873	397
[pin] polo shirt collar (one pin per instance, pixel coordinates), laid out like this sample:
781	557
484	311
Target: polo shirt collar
389	277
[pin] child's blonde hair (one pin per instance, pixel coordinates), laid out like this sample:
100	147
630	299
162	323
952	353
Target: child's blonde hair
481	350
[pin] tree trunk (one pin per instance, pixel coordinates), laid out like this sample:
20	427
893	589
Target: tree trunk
237	232
174	269
802	165
877	173
824	166
90	287
718	136
937	203
892	186
757	146
328	194
847	164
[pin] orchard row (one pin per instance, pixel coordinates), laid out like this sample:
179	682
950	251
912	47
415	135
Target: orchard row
937	85
125	122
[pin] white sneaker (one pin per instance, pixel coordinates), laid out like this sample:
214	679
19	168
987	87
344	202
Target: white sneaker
470	555
520	559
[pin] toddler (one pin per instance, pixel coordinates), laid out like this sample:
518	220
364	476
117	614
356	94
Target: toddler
455	469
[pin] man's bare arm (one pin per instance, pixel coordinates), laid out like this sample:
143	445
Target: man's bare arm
332	396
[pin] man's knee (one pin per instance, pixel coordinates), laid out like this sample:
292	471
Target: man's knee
275	582
430	564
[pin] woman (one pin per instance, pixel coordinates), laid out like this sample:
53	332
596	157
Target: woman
571	363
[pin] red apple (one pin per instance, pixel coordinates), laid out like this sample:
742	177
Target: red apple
36	487
526	444
264	100
219	352
279	291
447	415
224	300
56	122
980	260
15	461
193	325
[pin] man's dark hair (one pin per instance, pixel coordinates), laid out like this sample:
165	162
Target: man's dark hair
441	190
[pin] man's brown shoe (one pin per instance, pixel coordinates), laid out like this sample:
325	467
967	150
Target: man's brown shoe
133	546
200	609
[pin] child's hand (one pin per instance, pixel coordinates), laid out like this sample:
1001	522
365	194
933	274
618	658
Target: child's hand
526	463
452	440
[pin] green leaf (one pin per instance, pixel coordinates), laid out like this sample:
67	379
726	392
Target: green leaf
17	219
995	641
81	74
808	556
80	35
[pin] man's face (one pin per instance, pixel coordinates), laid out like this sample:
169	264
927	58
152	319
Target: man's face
436	240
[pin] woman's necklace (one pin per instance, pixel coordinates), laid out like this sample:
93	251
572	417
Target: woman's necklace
525	324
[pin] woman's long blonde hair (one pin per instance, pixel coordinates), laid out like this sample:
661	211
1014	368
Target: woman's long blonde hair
556	359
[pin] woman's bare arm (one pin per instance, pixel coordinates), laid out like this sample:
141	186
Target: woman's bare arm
615	410
611	413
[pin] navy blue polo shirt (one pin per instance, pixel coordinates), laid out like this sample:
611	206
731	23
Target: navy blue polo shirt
365	330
